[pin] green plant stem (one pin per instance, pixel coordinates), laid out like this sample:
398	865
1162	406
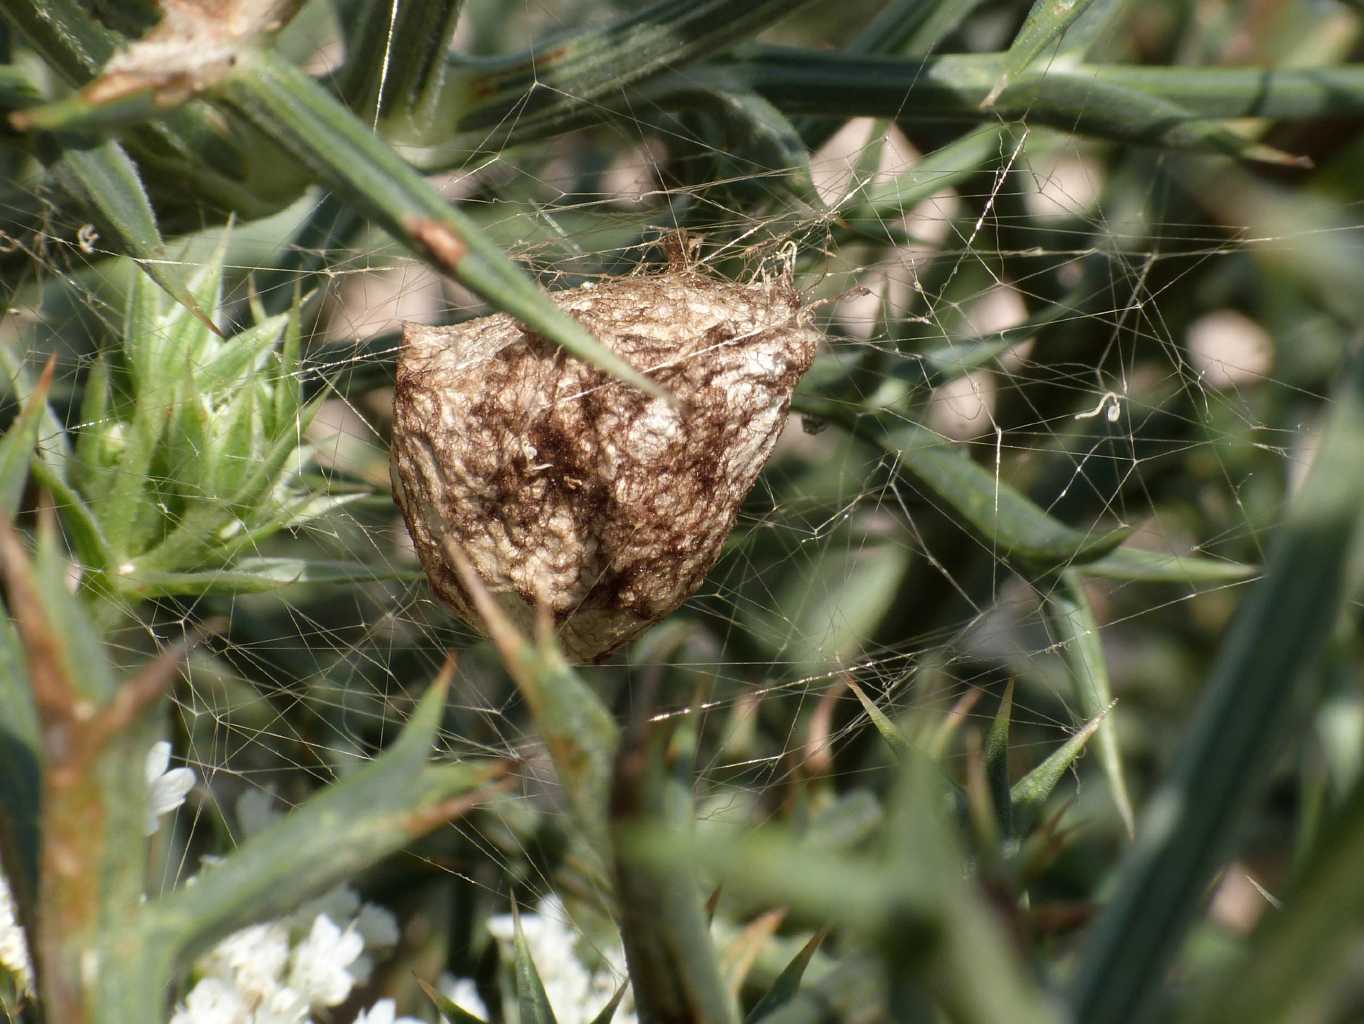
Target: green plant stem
1041	32
566	82
69	39
94	737
952	87
663	923
396	57
1298	954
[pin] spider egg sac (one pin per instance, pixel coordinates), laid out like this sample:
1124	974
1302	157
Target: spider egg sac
560	483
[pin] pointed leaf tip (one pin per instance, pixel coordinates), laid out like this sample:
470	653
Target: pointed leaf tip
531	999
1033	790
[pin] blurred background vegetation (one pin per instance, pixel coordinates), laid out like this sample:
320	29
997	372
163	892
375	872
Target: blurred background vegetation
1083	268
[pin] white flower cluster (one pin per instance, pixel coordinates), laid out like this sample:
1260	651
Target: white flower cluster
575	993
257	977
166	787
282	971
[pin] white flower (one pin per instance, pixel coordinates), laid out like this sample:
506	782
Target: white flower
382	1012
167	788
213	1001
14	956
464	994
340	904
282	1006
253	958
280	971
319	965
378	926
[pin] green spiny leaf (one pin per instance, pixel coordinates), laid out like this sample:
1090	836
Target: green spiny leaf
18	442
896	741
1030	793
240	354
53	470
788	982
1161	567
207	524
448	1008
347	826
192	457
105	179
236	445
608	1012
1092	25
289	107
295	508
944	167
531	1001
589	70
92	456
127	513
187	333
1071	617
288	386
664	926
383	90
256	576
144	336
580	733
1046	22
997	760
1173	108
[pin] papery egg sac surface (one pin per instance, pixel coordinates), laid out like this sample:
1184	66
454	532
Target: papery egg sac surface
561	484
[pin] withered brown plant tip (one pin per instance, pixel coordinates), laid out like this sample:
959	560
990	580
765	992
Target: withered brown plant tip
559	482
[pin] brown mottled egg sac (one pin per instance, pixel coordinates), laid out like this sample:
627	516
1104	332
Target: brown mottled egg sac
561	484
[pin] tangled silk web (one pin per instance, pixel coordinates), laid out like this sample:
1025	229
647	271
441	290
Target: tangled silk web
836	569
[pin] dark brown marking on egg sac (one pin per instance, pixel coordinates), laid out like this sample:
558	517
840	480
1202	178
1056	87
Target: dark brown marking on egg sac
561	484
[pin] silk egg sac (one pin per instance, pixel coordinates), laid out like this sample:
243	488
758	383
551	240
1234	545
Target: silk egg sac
562	485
